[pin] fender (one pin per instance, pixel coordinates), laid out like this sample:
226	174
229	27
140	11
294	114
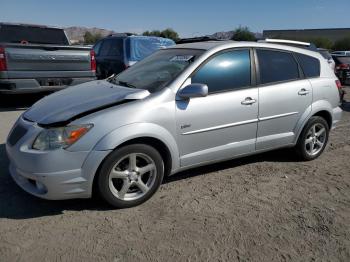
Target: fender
138	130
320	105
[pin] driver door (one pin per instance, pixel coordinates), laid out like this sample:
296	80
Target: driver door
224	123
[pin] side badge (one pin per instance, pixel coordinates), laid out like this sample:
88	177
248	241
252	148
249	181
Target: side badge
185	126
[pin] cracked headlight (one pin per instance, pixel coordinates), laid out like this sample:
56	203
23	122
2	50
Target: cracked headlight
60	137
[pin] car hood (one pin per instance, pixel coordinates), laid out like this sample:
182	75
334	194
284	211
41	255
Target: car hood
71	103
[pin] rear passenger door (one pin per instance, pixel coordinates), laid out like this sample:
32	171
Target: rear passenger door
285	98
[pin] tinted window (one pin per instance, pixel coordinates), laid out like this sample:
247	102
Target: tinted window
32	34
310	65
97	48
112	47
276	66
342	59
225	71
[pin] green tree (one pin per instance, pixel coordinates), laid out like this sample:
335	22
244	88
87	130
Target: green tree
152	33
342	44
167	33
321	42
170	33
243	34
90	38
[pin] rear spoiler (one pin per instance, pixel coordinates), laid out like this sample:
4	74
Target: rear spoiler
305	45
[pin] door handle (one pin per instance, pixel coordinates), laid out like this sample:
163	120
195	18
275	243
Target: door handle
303	92
248	101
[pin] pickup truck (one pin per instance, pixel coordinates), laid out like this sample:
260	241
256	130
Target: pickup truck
39	58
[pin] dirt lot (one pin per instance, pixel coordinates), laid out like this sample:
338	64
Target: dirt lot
261	208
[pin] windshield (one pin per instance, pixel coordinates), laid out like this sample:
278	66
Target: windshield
156	71
32	34
140	47
342	59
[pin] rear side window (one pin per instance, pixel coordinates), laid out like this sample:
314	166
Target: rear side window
32	35
97	48
112	47
276	66
226	71
309	65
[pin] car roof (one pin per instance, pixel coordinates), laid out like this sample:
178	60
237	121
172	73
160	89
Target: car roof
221	45
123	35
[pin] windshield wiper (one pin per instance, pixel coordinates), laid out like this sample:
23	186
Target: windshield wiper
124	83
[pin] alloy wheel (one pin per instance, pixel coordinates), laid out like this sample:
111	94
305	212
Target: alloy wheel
132	176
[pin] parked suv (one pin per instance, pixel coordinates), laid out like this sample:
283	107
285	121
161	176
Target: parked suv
184	106
117	52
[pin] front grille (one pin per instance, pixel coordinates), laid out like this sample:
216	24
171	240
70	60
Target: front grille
17	133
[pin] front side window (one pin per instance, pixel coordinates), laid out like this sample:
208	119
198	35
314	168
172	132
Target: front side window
276	66
157	70
226	71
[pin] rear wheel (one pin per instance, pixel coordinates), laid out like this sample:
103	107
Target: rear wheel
313	139
131	175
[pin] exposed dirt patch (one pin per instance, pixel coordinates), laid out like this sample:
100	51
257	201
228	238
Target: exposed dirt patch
268	207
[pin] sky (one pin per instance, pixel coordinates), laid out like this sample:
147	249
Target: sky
188	17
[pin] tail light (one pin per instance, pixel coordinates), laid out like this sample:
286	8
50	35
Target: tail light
92	60
343	67
338	83
340	90
3	65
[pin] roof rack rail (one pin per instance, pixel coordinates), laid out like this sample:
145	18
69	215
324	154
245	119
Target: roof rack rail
197	39
306	45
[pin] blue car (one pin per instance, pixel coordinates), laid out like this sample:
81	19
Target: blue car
117	52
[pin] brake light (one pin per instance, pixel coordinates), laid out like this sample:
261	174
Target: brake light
92	60
338	83
343	66
3	65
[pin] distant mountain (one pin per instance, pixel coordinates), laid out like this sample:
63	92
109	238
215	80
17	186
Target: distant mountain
223	35
76	33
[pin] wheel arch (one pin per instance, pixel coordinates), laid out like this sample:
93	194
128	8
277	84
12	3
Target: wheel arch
142	133
322	109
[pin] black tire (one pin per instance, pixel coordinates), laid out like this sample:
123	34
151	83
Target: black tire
112	160
100	73
301	148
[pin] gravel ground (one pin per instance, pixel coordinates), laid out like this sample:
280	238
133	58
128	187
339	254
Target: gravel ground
268	207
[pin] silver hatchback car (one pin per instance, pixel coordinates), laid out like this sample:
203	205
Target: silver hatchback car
185	106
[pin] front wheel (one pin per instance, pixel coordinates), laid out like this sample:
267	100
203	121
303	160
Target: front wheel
313	139
130	175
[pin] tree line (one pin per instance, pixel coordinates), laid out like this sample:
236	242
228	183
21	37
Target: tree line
241	33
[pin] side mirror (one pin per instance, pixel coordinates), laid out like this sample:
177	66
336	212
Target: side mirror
193	90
